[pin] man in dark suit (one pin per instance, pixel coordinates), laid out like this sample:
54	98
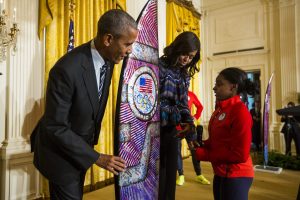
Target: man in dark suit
291	131
256	127
76	98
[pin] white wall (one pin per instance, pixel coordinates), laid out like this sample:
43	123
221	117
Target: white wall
21	101
2	99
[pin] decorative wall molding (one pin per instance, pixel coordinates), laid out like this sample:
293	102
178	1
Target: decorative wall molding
188	5
217	4
22	178
288	53
286	3
237	28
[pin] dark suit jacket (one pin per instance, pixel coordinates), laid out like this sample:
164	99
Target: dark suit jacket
290	124
63	139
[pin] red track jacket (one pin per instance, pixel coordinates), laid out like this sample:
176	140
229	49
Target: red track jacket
228	146
193	100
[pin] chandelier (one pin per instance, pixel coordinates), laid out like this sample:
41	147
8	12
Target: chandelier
8	36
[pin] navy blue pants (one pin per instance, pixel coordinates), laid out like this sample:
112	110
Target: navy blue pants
231	188
196	163
168	163
73	191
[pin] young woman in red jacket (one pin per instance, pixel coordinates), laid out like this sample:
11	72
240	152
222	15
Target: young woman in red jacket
228	146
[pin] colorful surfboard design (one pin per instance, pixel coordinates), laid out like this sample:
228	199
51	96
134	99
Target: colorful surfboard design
137	134
266	121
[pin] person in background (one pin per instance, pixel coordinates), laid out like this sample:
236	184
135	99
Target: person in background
256	128
291	131
192	100
177	66
229	142
76	97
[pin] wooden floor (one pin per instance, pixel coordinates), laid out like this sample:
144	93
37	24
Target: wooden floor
266	186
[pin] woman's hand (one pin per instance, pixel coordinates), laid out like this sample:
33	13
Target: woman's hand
187	128
193	145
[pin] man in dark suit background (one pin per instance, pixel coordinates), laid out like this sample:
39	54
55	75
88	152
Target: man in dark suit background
76	98
256	127
291	131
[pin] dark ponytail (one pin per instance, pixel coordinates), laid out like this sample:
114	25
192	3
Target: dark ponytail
237	76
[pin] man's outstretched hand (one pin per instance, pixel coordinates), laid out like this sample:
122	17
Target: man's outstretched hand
111	163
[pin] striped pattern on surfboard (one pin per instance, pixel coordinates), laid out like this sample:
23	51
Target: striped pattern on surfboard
137	121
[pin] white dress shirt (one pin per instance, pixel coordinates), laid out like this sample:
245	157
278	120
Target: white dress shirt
97	60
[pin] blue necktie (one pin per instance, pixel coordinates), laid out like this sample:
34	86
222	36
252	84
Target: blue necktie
101	79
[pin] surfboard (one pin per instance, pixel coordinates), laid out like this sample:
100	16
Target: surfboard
137	136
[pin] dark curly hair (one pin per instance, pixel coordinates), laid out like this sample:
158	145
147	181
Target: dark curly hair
183	44
237	76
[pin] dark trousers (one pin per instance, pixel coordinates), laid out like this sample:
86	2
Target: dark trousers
196	163
256	135
168	163
231	188
73	191
290	135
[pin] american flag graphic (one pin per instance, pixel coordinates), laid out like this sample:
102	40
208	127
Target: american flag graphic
71	36
145	85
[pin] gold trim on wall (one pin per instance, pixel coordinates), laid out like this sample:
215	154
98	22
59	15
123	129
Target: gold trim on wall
188	5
